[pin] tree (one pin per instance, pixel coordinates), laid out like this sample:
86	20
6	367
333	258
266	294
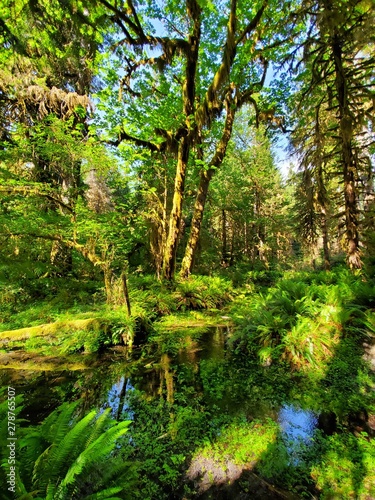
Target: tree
187	88
49	154
313	198
46	57
338	59
54	203
246	214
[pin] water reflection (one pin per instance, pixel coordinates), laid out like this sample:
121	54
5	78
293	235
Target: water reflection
297	424
117	398
182	389
199	368
298	427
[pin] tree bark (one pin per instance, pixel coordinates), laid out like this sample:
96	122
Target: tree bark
204	182
348	158
224	249
327	258
170	251
169	260
125	292
61	258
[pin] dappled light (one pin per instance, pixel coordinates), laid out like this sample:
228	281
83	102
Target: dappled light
187	271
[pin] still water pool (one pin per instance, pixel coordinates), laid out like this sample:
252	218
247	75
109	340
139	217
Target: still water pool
219	414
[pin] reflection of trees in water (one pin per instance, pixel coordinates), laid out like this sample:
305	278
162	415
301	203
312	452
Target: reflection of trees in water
178	399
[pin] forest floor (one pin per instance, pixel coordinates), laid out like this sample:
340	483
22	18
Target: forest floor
228	360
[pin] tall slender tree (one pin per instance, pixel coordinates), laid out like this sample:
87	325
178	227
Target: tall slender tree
339	63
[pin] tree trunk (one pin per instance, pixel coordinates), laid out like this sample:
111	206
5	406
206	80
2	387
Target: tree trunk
327	259
348	158
170	251
125	292
231	259
61	259
224	251
204	182
108	283
169	260
196	224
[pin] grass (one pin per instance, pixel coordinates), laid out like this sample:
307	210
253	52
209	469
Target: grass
346	468
241	442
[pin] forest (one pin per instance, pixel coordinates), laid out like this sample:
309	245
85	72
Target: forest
187	249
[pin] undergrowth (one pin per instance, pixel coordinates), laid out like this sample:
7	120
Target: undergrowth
67	456
303	317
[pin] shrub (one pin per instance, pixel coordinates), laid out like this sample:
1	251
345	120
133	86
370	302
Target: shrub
301	319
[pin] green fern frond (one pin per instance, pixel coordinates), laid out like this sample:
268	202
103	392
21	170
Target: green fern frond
115	470
96	452
97	428
106	494
63	453
30	496
50	493
56	425
31	447
38	470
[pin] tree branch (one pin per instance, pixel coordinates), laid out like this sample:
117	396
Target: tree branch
210	103
86	252
29	190
252	24
124	136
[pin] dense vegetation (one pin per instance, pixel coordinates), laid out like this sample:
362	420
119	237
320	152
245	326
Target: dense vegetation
143	204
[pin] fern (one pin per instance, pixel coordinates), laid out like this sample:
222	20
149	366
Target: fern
60	454
56	425
106	494
95	455
62	469
96	452
98	427
116	469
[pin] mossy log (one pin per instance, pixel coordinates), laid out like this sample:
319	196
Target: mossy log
53	329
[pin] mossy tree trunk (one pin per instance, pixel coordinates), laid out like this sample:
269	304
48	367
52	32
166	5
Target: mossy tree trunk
349	164
169	258
189	89
61	258
224	246
204	182
325	235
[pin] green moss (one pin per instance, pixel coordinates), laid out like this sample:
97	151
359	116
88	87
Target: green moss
346	468
52	329
70	335
243	443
